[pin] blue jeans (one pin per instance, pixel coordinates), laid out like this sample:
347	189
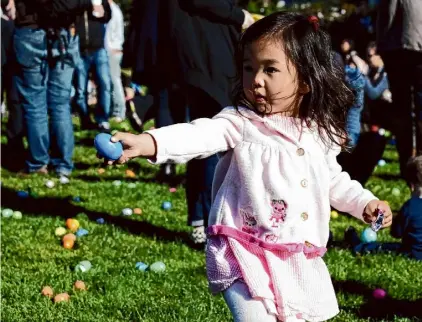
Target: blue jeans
117	92
43	81
357	82
98	59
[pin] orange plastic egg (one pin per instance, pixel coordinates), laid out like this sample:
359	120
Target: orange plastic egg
80	285
72	224
62	297
71	237
130	173
68	244
47	291
101	170
137	211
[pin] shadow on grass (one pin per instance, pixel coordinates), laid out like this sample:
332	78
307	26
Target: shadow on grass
63	207
387	177
386	308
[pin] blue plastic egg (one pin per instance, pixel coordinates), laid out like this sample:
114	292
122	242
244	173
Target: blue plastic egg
77	199
107	149
382	163
81	232
158	267
100	221
166	205
368	235
23	194
83	266
141	266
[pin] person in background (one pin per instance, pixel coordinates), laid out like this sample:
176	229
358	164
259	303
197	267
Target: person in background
399	39
407	225
46	51
114	44
189	45
91	30
351	57
14	159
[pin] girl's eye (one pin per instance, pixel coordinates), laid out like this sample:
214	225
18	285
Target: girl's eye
271	70
247	68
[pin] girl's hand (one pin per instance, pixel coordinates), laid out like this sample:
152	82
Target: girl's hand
142	145
370	213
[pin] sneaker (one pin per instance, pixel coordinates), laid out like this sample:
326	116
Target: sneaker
198	235
104	127
64	179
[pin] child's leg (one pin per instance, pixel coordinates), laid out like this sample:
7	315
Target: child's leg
243	307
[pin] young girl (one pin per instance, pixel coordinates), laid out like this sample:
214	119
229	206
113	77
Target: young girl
277	175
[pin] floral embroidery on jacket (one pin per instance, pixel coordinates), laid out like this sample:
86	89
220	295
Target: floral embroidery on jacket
271	238
279	212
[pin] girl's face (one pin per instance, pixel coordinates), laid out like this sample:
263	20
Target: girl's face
269	79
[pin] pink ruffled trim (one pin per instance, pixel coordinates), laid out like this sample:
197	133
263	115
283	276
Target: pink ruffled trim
311	251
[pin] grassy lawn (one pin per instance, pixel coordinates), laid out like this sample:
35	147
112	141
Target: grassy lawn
32	256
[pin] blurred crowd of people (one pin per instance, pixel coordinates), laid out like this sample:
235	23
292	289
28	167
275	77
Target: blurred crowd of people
183	51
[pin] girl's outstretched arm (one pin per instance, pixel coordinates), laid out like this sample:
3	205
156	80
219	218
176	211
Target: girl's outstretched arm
180	143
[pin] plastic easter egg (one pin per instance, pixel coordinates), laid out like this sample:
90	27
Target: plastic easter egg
17	215
101	171
83	266
117	183
107	149
60	231
368	235
137	211
382	163
395	192
80	286
127	212
379	293
23	194
141	266
62	297
72	224
334	214
158	267
47	291
81	232
68	243
64	180
76	199
49	184
71	237
100	221
7	212
381	132
172	190
130	173
166	205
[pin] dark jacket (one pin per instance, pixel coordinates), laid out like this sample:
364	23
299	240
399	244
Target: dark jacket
49	13
91	30
408	226
193	42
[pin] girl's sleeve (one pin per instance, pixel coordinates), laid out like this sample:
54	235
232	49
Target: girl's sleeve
346	195
201	138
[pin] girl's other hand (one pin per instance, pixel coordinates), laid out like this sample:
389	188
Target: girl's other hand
370	213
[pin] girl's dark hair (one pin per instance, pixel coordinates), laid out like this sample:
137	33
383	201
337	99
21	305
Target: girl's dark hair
309	49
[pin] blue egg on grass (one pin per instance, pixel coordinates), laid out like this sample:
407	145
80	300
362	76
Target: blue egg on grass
100	221
158	267
23	194
141	266
77	199
166	205
368	235
106	148
81	232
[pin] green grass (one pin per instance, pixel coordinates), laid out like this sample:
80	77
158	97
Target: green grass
32	256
